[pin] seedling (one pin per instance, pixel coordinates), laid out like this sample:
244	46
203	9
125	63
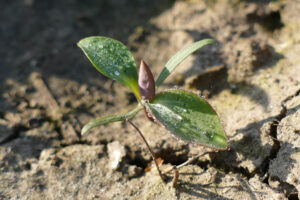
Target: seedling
185	114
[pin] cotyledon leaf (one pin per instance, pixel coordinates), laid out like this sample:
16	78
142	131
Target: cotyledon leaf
111	118
113	59
179	57
188	117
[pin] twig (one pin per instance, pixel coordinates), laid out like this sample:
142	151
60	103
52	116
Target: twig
151	152
47	99
190	160
175	178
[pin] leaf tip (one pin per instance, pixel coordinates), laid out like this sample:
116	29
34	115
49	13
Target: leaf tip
84	130
81	43
78	44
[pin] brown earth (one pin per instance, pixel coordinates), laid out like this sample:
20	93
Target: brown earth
49	90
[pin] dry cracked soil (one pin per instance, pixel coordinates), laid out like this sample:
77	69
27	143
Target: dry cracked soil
49	90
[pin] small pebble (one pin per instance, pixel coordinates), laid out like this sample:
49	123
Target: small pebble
116	153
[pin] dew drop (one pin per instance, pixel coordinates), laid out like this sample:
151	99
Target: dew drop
176	126
208	135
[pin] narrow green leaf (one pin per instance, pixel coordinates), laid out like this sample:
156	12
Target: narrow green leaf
113	59
111	118
179	57
188	117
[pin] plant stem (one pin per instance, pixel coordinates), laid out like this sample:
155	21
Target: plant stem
151	152
190	160
175	178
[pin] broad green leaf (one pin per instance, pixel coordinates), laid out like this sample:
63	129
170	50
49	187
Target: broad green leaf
179	57
188	117
113	59
111	118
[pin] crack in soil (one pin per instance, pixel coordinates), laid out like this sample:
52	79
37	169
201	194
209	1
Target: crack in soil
17	129
291	190
169	155
276	147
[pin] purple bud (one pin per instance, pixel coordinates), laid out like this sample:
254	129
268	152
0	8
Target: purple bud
146	82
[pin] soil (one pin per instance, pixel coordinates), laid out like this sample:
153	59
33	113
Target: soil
49	90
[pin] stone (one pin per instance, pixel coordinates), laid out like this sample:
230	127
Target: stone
116	153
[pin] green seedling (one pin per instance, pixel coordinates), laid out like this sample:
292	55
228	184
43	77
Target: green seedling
185	114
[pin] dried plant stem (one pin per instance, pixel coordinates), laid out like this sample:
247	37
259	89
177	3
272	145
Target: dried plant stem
190	160
175	178
151	152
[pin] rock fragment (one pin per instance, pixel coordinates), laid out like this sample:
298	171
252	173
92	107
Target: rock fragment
116	153
69	134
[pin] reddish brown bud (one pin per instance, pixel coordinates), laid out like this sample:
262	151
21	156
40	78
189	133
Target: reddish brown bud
146	82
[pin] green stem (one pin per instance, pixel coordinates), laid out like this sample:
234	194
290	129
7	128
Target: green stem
111	118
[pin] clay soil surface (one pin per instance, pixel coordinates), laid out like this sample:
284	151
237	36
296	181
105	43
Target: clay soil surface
49	90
